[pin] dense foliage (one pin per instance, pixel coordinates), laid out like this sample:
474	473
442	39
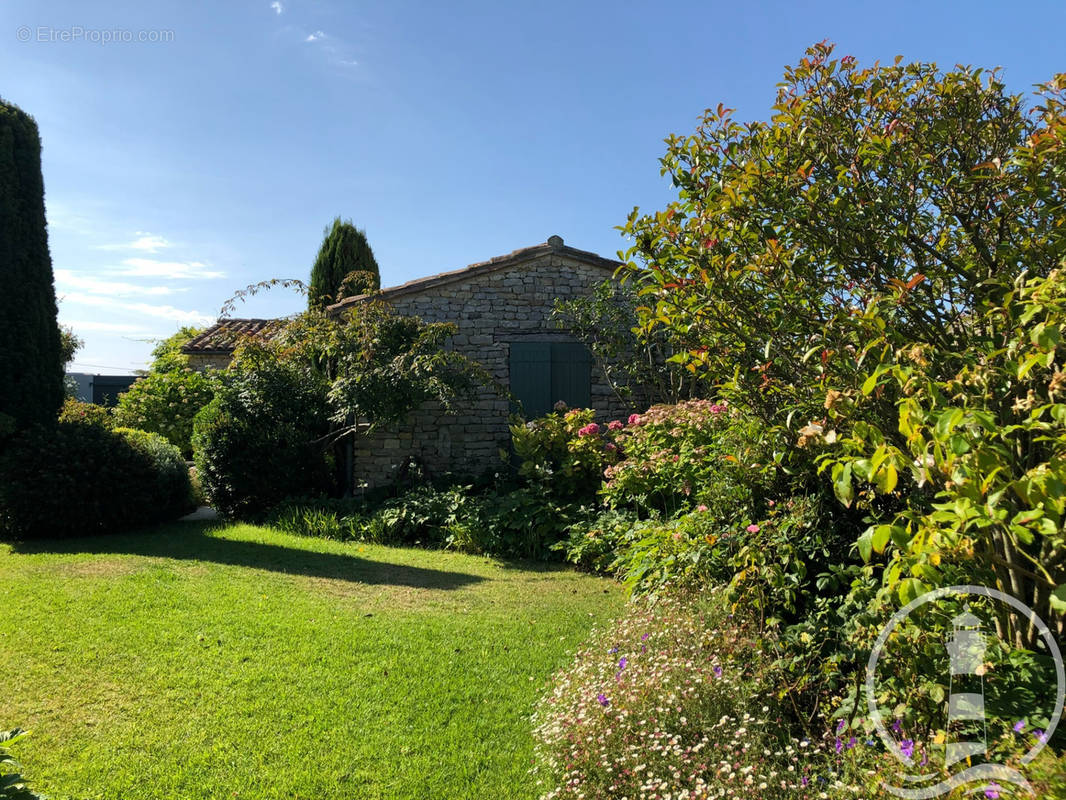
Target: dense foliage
285	404
565	452
73	479
345	266
872	283
86	413
30	348
168	398
262	438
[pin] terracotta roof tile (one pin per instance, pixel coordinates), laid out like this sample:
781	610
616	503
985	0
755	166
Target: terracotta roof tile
223	336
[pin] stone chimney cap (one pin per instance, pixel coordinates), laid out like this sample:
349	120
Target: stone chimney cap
555	242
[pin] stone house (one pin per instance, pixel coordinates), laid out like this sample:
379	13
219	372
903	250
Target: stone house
502	309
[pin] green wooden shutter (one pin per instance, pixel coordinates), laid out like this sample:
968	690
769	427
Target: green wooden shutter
531	377
571	374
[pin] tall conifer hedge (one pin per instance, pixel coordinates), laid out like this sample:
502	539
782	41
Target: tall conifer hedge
30	354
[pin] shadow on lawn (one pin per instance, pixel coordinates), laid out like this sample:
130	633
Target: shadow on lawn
192	541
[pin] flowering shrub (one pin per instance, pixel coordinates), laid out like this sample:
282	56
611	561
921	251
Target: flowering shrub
566	451
86	413
673	701
680	457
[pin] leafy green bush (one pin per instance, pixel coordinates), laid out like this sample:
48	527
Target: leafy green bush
166	403
521	523
696	453
565	451
74	479
594	544
86	413
173	486
264	436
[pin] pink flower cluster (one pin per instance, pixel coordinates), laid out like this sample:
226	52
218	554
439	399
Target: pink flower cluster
589	430
614	425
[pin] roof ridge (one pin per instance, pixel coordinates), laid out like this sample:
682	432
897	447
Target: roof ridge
553	245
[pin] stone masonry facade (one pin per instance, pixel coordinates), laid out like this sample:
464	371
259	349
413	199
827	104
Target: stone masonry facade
494	305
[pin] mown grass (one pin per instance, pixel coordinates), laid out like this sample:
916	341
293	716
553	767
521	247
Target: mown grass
207	661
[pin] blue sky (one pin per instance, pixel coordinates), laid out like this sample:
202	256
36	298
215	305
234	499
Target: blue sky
212	155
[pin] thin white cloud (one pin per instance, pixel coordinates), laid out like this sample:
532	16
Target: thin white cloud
175	270
185	317
314	37
145	243
94	285
277	7
347	62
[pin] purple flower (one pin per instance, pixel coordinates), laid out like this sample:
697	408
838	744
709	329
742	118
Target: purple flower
841	726
613	650
622	662
838	745
603	699
1040	735
718	672
1019	726
907	748
852	742
992	792
897	727
644	638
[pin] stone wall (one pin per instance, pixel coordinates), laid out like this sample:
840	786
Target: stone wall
201	362
492	310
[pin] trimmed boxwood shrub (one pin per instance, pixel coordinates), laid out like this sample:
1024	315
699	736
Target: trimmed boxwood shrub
75	479
172	482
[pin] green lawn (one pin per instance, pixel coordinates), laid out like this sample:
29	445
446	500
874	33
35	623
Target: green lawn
200	660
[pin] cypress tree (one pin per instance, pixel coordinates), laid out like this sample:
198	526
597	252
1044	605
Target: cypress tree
345	266
31	360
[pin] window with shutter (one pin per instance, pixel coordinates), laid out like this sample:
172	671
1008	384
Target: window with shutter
543	373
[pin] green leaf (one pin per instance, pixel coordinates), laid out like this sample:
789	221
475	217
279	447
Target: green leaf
1058	599
881	535
865	544
842	483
